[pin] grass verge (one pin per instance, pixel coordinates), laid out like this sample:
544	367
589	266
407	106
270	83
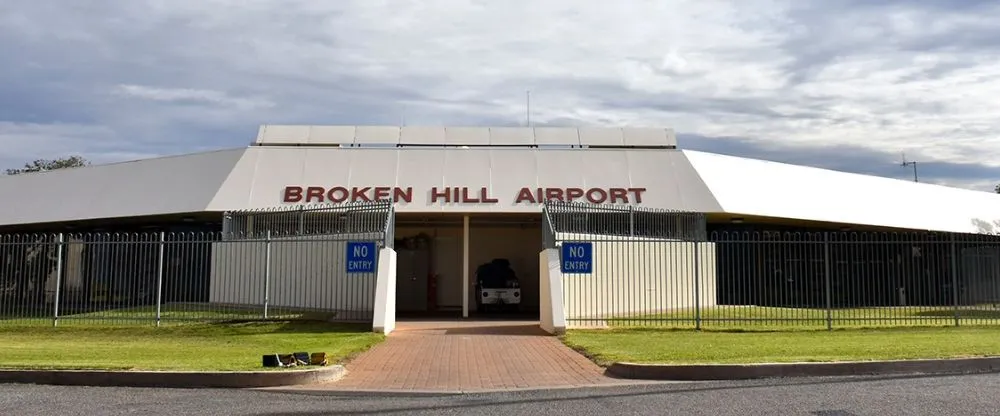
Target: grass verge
759	318
658	346
191	347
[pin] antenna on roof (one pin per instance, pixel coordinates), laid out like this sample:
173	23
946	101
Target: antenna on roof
527	111
913	163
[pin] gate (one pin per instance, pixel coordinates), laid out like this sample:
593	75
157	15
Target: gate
628	263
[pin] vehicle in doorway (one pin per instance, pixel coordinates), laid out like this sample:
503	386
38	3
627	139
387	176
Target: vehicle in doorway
497	287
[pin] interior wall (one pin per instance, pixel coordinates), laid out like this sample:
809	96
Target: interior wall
445	262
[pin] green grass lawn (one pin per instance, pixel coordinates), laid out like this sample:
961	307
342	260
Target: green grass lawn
777	318
192	346
707	347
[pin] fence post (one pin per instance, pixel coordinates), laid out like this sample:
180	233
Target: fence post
954	279
267	271
697	287
302	220
59	268
159	278
631	220
826	280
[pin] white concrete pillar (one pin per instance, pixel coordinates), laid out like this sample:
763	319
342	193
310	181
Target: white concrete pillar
384	319
465	266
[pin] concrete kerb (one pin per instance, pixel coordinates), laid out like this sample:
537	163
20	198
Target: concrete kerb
351	392
174	379
708	372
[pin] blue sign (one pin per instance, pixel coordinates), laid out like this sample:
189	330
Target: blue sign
361	257
577	257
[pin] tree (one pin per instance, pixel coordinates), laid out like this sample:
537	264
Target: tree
996	189
42	165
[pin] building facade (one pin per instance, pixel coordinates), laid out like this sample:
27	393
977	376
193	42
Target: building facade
463	196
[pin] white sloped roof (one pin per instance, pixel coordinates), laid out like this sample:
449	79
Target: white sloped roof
757	187
257	176
263	173
177	184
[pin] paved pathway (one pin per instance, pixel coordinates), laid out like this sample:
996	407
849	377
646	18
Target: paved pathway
469	356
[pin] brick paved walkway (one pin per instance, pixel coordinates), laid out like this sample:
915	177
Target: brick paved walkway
468	356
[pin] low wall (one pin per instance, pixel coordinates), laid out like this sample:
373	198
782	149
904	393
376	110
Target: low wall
633	276
306	272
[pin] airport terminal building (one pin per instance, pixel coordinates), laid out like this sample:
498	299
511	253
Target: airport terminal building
462	196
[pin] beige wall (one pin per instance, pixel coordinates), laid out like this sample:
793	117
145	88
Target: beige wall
446	261
636	277
306	272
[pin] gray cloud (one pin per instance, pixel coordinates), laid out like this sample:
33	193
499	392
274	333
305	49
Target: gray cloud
848	159
783	79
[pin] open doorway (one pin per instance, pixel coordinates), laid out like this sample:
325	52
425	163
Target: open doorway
429	265
504	249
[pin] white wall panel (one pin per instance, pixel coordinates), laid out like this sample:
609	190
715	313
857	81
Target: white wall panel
376	135
601	136
467	169
374	168
561	169
431	165
283	134
273	170
419	135
648	137
511	172
469	136
512	136
331	135
556	136
611	170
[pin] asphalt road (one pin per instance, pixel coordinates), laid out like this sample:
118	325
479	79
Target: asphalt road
939	396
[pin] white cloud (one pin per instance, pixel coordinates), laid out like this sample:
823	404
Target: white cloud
915	76
23	140
181	95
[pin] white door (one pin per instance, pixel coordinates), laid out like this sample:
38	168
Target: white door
412	267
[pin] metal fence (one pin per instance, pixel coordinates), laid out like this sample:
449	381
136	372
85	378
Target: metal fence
374	220
573	220
780	280
261	271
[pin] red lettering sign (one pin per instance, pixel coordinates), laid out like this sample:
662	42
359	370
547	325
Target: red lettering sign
459	195
338	194
293	193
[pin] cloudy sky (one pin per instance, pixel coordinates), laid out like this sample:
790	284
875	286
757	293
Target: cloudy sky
843	84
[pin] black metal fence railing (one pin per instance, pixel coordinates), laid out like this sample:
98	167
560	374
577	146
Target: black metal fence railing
663	269
373	219
309	263
572	220
820	280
